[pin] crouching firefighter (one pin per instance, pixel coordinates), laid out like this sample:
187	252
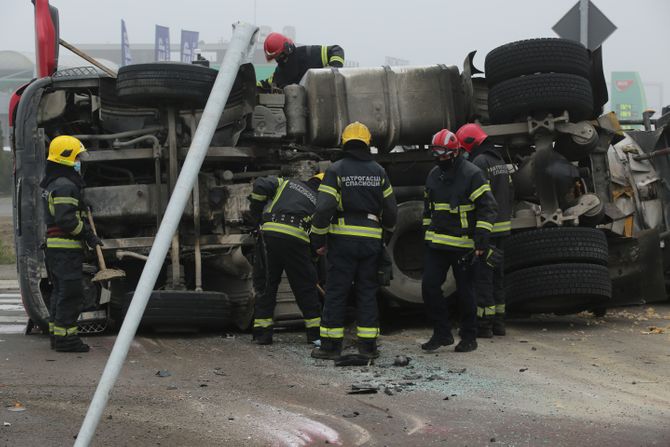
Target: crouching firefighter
66	230
284	208
459	211
355	203
489	274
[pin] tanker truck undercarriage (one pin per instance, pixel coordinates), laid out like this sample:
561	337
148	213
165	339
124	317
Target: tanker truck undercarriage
570	209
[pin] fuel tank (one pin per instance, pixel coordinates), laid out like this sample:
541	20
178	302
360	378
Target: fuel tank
400	105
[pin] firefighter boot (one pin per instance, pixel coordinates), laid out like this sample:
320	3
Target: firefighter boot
330	349
499	326
437	341
368	348
466	345
485	328
70	343
263	335
312	334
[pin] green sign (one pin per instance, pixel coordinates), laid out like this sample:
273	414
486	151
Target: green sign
627	95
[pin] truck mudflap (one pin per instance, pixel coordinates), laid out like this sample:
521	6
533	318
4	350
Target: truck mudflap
636	269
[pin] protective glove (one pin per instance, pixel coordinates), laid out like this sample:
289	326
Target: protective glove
482	240
92	240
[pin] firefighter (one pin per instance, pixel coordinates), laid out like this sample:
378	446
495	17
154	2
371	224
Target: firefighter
489	281
66	230
355	204
284	208
293	62
459	212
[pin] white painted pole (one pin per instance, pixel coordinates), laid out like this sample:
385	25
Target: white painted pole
241	43
584	22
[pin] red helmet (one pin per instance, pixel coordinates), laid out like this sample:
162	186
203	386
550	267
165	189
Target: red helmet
471	136
445	144
277	46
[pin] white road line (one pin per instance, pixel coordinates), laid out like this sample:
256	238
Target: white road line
11	307
17	319
10	295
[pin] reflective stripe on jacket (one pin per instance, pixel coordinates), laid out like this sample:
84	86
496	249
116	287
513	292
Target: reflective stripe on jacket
355	200
283	206
487	158
302	59
458	205
63	214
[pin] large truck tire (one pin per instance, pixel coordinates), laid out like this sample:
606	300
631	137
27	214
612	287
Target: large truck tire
539	94
558	288
546	246
544	55
166	83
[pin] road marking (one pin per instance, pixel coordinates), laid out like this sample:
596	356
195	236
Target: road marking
10	295
11	307
14	319
12	329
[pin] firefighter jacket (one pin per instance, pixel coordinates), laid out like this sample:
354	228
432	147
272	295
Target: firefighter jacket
488	159
302	59
459	209
283	206
355	200
63	212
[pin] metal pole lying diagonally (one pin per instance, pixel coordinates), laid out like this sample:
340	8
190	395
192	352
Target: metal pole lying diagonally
244	36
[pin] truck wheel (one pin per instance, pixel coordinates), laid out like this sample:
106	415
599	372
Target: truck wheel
558	288
574	150
555	245
541	94
406	250
544	55
165	83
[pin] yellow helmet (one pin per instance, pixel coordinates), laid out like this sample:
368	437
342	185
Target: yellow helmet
356	131
319	176
64	150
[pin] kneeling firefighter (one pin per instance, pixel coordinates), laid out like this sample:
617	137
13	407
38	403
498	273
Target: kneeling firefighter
63	185
459	211
489	276
355	203
285	207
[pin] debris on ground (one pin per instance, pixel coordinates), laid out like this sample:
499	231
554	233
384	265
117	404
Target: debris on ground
654	330
457	370
163	373
401	360
354	360
17	407
351	415
218	372
357	388
523	370
6	424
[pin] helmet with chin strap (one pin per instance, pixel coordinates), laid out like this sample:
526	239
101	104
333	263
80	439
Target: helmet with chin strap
471	135
277	46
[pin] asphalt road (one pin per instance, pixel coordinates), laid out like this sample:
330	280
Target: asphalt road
553	381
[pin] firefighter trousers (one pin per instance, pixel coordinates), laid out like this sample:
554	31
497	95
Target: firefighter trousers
293	256
352	261
489	288
437	264
67	298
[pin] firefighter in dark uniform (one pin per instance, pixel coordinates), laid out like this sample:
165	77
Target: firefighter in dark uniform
489	281
293	62
356	203
66	232
284	208
459	212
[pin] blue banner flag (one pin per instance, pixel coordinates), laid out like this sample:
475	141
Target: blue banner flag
162	48
189	42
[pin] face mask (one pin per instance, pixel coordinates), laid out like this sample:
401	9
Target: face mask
77	167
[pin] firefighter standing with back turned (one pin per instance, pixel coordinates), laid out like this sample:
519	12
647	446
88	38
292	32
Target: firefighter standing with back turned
293	62
355	203
66	229
489	281
459	211
285	207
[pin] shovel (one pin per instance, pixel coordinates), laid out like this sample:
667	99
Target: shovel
104	274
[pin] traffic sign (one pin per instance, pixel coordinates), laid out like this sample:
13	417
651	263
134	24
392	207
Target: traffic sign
597	26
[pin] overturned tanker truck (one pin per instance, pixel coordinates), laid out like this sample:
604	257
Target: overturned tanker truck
590	215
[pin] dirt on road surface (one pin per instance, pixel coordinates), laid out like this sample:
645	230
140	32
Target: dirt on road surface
554	381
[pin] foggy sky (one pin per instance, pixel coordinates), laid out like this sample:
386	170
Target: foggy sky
421	31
